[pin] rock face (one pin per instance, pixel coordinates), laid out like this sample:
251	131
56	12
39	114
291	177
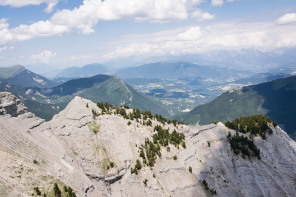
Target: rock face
76	149
11	105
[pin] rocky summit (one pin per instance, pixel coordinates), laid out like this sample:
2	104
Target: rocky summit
91	151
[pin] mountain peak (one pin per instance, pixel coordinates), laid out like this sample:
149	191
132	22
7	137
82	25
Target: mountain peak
9	72
77	109
19	67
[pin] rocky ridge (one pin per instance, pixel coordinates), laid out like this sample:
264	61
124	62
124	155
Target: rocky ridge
68	151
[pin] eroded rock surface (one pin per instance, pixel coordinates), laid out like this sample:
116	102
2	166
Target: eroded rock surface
66	149
11	105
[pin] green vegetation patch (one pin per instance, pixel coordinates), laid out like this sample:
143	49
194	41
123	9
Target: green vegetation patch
243	145
94	127
56	191
206	186
136	114
255	125
150	151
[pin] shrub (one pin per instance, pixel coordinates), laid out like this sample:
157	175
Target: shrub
38	192
209	144
168	149
111	164
71	193
126	106
190	169
183	144
145	182
56	190
138	165
206	186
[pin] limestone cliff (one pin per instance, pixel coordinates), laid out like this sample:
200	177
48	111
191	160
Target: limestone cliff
77	148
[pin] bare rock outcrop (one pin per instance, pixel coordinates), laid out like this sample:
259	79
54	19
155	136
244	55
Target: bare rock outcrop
94	155
11	105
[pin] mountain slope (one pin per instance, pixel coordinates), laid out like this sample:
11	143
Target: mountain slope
68	151
19	76
81	72
100	88
115	91
275	99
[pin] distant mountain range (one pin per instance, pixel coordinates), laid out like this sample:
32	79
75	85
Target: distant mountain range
242	59
179	70
168	81
19	76
46	102
275	99
261	78
88	70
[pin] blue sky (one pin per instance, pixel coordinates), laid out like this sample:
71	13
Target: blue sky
64	33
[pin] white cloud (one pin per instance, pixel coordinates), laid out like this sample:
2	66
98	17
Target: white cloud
192	33
86	16
5	35
202	16
265	36
38	29
26	32
92	11
217	2
44	56
287	19
21	3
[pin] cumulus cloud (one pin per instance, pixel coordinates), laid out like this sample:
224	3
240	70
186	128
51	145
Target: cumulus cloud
38	29
26	32
44	56
202	16
92	11
5	35
86	16
21	3
217	2
287	19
